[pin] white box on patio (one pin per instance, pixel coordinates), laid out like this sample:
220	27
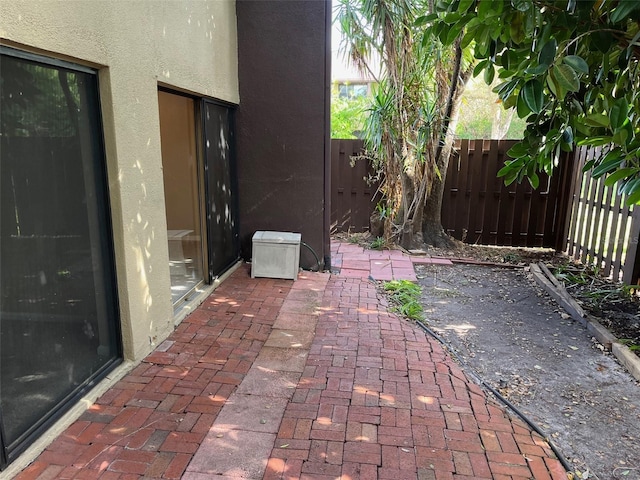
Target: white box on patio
275	255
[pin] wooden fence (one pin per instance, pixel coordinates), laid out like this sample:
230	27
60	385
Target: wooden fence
478	208
602	230
568	212
352	198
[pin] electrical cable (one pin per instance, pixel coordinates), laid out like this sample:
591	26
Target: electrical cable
498	395
315	255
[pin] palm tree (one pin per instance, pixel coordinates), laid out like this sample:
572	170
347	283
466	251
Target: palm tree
409	131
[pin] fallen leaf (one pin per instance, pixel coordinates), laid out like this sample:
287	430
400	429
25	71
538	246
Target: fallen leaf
284	446
573	348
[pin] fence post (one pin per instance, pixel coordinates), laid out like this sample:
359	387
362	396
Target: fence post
565	200
631	273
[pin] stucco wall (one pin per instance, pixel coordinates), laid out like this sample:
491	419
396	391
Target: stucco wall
137	45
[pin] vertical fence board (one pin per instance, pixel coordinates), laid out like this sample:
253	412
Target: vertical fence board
492	202
577	181
336	187
565	193
613	229
450	187
631	274
603	247
461	214
477	193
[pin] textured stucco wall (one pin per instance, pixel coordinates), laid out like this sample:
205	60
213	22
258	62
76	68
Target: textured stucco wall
137	45
282	135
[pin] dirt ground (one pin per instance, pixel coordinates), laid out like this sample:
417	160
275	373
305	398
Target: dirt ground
513	335
618	309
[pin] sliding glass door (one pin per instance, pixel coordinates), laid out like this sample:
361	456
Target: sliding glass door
200	190
58	305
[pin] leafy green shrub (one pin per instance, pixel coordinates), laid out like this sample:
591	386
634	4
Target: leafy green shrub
406	297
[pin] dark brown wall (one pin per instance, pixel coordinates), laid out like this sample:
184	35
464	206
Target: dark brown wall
282	120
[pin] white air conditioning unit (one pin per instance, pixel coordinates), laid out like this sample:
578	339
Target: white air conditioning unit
275	255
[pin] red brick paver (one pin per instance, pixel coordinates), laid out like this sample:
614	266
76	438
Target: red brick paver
380	399
150	424
367	395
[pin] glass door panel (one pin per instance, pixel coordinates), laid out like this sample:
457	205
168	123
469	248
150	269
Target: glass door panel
182	192
58	307
221	188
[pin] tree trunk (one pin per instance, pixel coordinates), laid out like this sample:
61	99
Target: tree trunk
432	231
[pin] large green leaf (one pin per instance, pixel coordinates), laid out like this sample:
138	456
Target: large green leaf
484	8
479	67
609	163
489	74
423	20
630	186
516	29
618	113
539	70
522	109
620	137
597	120
619	175
602	40
577	63
464	5
595	141
566	77
532	95
556	88
623	10
520	149
633	199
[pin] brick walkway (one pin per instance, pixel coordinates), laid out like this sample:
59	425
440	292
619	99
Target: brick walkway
245	389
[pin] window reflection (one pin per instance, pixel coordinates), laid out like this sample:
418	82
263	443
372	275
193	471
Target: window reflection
57	303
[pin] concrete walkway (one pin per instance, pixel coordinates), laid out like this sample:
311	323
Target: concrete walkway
312	379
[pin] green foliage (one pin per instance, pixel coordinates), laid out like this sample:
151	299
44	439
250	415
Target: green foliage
38	100
629	343
377	244
348	115
406	297
570	68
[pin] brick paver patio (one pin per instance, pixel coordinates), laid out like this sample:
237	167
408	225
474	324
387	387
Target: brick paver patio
312	379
